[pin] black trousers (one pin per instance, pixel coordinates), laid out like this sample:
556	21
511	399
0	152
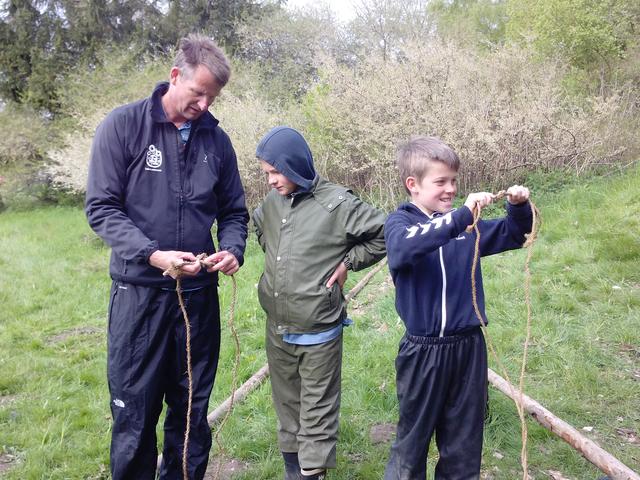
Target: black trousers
442	388
147	363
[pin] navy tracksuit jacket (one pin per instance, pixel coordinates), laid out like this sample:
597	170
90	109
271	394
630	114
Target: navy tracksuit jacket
147	191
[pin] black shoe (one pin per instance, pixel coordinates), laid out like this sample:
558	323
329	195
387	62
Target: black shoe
317	475
291	466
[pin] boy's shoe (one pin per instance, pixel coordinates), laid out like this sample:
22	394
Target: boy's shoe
313	474
291	466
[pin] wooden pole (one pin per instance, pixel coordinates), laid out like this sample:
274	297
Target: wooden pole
240	394
589	449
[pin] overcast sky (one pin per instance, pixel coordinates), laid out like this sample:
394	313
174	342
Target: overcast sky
342	8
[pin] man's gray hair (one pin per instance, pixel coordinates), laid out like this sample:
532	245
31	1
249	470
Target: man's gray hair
195	50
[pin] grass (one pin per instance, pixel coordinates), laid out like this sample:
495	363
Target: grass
584	358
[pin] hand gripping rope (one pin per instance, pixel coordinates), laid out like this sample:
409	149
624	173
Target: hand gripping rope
530	239
176	271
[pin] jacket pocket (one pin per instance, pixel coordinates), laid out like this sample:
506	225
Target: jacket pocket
264	296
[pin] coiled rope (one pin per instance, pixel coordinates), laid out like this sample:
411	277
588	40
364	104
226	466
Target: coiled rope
176	271
528	244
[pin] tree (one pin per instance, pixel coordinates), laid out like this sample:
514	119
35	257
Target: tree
386	25
588	33
470	22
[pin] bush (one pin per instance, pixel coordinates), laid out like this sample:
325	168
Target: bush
504	113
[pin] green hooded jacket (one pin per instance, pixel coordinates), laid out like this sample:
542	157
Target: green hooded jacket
305	237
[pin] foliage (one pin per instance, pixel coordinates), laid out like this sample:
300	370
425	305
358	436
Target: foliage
471	22
282	51
590	34
383	27
40	41
54	402
503	112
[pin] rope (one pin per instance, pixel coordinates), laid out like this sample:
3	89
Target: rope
530	239
175	270
234	380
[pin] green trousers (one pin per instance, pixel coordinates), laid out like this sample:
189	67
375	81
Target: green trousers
305	386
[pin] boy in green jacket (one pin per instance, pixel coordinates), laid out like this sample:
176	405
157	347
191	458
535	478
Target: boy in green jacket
312	232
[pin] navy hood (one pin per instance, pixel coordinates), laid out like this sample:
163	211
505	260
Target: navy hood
288	152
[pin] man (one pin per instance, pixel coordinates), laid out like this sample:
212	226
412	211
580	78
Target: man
161	172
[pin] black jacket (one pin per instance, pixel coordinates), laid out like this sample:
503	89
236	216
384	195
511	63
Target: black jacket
142	198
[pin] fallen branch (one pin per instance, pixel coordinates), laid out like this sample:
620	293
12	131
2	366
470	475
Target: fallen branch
240	394
589	449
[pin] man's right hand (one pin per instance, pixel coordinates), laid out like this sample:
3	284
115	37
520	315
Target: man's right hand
165	259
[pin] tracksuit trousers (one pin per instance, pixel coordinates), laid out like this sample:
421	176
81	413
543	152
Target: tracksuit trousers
147	363
442	388
305	387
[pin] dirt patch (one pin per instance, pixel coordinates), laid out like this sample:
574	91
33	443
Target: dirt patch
229	468
382	433
629	435
7	461
75	332
6	400
633	351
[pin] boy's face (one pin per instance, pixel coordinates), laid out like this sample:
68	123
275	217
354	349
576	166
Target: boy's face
277	180
436	190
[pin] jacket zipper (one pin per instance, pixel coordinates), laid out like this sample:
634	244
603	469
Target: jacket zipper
444	294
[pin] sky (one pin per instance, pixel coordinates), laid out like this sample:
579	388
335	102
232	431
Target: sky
343	8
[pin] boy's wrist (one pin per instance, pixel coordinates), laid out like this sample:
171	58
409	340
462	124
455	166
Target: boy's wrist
347	263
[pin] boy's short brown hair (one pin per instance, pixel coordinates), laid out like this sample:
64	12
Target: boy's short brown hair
413	157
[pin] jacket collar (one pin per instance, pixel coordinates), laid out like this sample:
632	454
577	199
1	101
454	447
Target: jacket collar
157	112
414	210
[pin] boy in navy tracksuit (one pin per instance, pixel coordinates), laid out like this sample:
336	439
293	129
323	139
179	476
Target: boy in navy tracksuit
442	360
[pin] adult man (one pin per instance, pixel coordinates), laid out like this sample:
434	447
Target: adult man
161	173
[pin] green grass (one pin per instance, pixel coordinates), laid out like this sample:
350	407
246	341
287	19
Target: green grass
584	358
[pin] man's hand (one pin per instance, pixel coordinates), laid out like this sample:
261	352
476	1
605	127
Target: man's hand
517	194
339	275
223	261
165	259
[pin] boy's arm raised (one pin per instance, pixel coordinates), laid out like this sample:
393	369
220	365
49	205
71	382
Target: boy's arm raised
509	232
409	240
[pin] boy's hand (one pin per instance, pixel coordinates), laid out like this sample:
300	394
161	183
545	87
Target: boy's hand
339	275
517	194
480	200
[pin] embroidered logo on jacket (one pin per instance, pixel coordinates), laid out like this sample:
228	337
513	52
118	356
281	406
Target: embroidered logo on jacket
154	159
426	227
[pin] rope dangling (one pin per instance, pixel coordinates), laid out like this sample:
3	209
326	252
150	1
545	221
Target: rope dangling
176	272
530	239
234	377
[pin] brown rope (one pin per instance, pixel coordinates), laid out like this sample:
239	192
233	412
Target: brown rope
530	239
234	377
176	271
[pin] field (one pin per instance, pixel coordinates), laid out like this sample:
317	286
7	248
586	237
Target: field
584	357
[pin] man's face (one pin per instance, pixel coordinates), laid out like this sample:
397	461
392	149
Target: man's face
193	93
277	180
